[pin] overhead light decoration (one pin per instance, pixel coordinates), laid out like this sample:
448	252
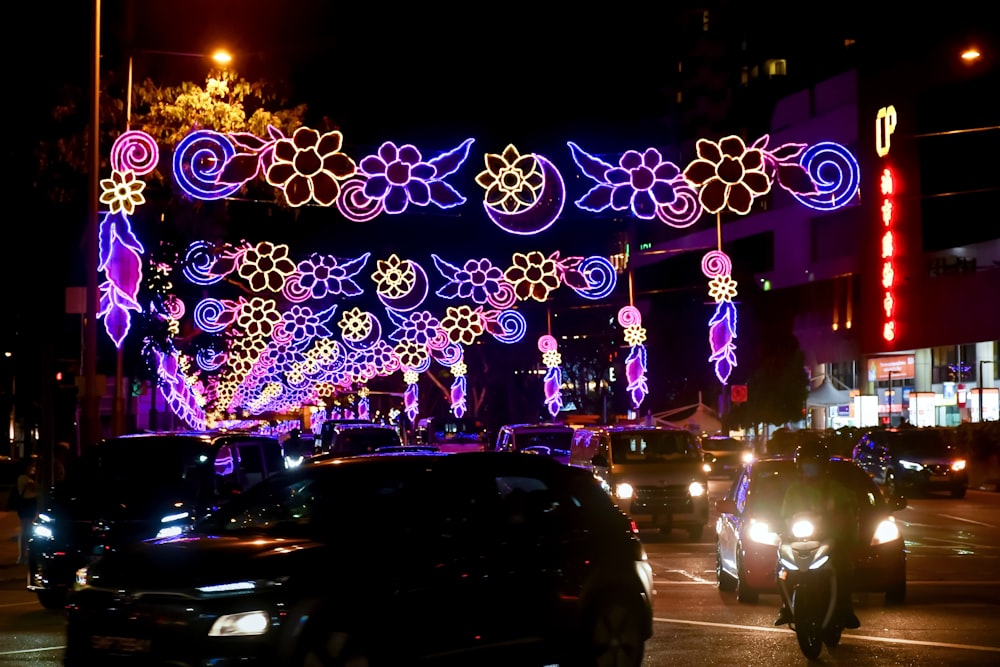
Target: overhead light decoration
552	381
630	318
288	335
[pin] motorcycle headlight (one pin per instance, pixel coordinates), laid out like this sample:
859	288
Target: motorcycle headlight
761	533
696	489
624	491
43	527
911	465
802	528
886	531
958	465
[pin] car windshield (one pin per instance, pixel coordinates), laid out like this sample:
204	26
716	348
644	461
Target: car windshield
768	486
550	439
364	440
920	443
652	446
723	445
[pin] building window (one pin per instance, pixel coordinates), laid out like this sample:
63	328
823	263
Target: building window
775	68
704	21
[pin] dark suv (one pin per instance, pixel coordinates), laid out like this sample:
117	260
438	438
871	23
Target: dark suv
914	459
138	487
469	558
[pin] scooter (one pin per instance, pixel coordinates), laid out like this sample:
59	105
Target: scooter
807	582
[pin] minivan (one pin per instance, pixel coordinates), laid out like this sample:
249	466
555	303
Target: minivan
653	473
548	439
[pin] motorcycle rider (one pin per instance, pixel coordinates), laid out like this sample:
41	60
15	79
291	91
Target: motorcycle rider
815	491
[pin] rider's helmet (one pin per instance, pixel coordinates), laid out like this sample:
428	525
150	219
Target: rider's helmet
811	459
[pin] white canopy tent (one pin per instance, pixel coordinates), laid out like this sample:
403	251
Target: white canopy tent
698	418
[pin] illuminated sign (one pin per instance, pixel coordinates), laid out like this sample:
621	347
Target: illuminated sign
922	405
885	125
902	367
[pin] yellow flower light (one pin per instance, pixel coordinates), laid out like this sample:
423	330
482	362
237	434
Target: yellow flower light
722	288
513	182
411	377
551	358
122	192
394	276
635	335
459	369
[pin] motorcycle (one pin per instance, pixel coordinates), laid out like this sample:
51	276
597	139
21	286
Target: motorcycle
807	581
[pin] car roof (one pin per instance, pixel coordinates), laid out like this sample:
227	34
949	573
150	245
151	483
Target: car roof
417	459
541	426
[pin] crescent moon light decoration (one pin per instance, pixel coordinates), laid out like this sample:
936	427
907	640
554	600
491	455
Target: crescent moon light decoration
402	284
524	193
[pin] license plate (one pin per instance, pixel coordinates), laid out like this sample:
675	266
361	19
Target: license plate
120	644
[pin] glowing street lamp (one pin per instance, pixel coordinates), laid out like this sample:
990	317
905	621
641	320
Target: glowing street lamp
220	57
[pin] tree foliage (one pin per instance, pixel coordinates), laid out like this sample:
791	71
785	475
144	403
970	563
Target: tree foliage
777	388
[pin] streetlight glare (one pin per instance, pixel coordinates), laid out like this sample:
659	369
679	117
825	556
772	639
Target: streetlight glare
971	54
222	57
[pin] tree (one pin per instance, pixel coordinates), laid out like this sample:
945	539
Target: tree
777	387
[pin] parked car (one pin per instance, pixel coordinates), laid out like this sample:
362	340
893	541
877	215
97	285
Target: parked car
137	487
725	455
914	460
451	434
654	473
381	560
354	439
547	439
750	513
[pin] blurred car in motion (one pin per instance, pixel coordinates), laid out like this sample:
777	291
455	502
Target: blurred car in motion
451	434
137	487
725	455
748	525
547	439
652	472
914	460
471	555
360	438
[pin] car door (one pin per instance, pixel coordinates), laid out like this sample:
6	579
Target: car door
730	524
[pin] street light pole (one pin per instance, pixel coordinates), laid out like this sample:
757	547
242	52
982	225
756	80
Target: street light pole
890	398
90	418
979	381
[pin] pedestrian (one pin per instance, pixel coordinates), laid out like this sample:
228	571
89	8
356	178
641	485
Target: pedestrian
27	489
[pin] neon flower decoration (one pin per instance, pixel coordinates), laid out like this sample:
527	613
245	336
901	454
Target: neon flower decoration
320	276
401	283
398	176
644	183
135	151
717	266
122	192
835	172
635	364
463	324
266	266
309	166
411	395
458	388
478	280
198	263
524	193
548	346
364	403
198	162
508	326
119	260
179	395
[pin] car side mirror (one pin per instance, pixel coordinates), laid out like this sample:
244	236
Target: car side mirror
599	460
726	506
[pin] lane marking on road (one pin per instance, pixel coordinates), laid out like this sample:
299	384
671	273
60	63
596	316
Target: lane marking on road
958	518
32	603
24	651
885	640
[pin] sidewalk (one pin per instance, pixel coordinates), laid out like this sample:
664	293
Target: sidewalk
8	549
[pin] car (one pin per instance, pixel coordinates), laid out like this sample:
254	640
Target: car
353	439
137	487
654	473
725	455
914	460
546	438
390	560
451	434
747	532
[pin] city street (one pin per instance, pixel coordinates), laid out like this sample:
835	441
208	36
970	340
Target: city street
949	616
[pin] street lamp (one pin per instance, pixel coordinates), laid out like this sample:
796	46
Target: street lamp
220	57
890	398
979	381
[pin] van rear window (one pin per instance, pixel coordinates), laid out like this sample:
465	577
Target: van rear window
653	446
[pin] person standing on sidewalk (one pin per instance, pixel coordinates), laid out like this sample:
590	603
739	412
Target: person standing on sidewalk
27	488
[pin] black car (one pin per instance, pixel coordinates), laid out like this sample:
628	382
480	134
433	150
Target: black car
914	460
457	559
137	487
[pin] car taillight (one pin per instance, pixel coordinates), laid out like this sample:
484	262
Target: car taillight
633	526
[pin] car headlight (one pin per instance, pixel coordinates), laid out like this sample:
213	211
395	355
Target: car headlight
243	624
173	524
624	491
802	528
911	465
886	531
747	457
42	528
958	465
707	467
293	461
761	533
696	489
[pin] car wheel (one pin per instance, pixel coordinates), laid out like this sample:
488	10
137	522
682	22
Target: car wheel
890	484
52	599
330	647
744	593
896	594
958	492
614	635
726	581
